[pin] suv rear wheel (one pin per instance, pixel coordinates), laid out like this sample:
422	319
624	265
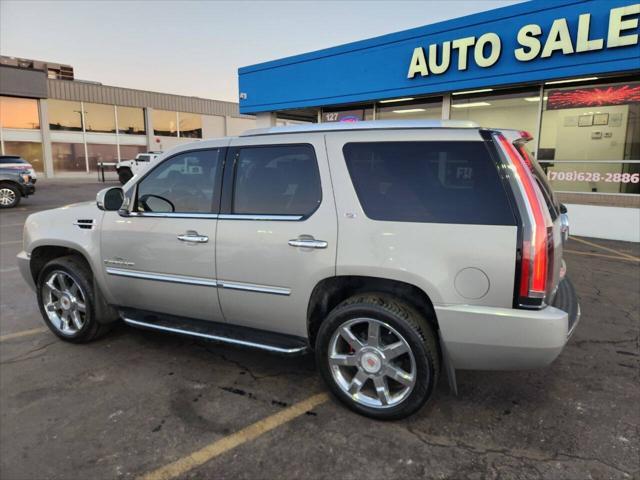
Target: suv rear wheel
379	356
9	195
66	298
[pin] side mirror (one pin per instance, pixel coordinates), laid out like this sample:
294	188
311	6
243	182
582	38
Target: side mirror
110	199
563	208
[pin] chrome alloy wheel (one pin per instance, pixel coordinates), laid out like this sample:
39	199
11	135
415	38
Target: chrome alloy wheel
64	302
7	197
372	363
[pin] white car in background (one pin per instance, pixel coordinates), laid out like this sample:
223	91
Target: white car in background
19	163
128	168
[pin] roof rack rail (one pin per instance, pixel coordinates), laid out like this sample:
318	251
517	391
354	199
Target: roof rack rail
368	125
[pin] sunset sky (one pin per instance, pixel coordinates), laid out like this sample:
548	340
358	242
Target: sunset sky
195	47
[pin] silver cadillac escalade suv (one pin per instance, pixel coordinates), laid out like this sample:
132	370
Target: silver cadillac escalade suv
395	250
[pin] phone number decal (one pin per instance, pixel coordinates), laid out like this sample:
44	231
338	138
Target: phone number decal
574	176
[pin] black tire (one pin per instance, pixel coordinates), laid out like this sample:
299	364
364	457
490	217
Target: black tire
414	329
124	175
82	276
10	190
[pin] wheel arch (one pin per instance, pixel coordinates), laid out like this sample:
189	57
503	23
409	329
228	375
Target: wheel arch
330	292
43	254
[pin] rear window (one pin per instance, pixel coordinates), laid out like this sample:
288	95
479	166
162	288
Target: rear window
4	160
436	182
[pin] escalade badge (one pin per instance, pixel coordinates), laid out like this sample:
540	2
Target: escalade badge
119	261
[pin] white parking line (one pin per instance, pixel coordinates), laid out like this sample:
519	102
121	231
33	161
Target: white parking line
11	225
13	242
7	270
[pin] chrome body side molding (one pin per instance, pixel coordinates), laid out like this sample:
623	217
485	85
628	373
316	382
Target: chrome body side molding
249	287
161	277
203	282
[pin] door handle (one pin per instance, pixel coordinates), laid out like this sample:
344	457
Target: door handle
308	243
193	237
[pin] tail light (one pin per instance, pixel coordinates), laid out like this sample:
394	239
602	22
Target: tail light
536	245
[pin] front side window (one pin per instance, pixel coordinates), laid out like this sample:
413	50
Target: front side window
277	180
434	182
186	183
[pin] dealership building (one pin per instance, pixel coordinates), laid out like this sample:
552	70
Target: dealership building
66	127
566	71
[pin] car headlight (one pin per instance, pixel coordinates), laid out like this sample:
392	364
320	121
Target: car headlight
26	178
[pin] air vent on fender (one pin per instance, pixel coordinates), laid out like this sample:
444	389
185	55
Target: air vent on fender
84	223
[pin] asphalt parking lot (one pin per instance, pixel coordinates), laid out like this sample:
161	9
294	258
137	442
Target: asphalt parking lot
135	402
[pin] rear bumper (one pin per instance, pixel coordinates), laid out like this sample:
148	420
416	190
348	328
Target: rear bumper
567	300
487	338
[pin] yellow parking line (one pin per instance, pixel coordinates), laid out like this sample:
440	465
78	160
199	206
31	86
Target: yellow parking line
605	248
11	242
24	333
202	456
591	254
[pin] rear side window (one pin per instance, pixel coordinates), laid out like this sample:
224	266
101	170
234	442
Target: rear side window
436	182
276	180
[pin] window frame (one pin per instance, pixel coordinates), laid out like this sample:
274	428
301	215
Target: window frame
215	204
229	185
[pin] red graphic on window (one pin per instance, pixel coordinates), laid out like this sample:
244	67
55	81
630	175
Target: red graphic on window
593	97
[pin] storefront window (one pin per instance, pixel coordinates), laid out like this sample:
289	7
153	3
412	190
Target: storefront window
590	138
64	115
101	153
190	125
19	113
30	151
131	121
129	152
99	118
410	109
348	114
516	109
165	124
68	157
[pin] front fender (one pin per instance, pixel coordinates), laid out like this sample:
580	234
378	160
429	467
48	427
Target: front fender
62	228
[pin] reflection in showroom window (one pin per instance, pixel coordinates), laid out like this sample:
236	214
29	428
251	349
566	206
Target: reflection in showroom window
183	184
590	138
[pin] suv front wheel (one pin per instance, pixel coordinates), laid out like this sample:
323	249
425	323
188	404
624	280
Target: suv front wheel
379	356
66	298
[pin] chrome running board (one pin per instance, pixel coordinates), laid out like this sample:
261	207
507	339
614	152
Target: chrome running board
218	332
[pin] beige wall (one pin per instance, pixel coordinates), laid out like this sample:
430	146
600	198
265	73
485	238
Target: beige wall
236	126
212	126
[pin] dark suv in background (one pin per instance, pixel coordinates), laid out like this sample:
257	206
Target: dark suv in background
14	184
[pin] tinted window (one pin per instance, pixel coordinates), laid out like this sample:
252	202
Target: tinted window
279	180
438	182
184	184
